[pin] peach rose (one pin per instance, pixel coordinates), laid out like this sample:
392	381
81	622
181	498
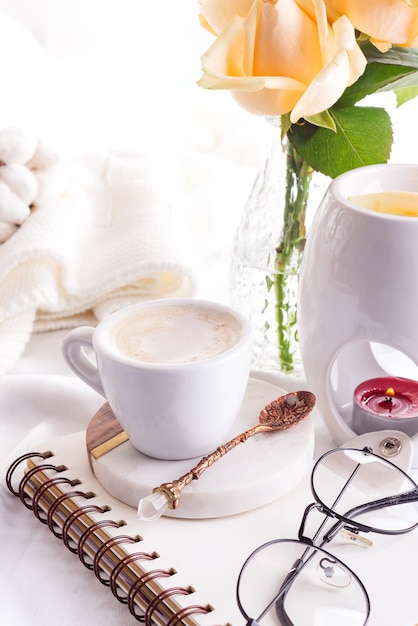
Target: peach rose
386	22
282	56
215	15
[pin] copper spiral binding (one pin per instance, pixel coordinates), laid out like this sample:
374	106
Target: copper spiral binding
71	519
108	545
15	464
159	599
192	609
137	588
88	534
37	510
23	495
32	495
51	511
131	558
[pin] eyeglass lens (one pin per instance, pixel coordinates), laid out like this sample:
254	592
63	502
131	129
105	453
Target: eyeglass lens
361	486
324	592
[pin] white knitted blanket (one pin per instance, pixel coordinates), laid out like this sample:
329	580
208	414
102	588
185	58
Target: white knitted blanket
107	241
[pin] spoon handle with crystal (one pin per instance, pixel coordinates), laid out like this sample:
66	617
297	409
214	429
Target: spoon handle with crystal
280	414
168	495
173	489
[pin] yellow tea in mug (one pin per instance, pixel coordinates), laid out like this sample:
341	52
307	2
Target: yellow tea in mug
395	202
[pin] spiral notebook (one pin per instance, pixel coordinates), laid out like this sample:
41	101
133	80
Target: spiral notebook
184	571
169	571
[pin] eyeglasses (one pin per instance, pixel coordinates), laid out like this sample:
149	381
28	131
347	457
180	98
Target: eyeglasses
297	580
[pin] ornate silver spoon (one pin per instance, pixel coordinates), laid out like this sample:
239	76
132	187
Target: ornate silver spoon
283	413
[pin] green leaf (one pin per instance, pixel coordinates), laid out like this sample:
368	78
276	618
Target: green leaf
364	137
323	119
285	124
403	82
403	95
394	56
377	77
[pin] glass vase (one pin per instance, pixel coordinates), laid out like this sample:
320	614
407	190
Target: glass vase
267	255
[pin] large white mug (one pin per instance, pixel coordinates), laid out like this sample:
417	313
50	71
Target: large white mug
173	371
358	289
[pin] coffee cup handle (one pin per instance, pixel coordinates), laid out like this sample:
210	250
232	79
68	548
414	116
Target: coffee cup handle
74	354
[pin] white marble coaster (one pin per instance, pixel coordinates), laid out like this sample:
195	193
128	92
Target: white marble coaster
255	473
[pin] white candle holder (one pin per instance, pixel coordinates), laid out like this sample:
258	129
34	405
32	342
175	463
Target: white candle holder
358	291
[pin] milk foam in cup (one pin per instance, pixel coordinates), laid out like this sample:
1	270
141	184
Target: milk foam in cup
176	334
174	372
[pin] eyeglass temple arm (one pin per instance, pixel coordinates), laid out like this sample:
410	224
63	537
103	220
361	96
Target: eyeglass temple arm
279	598
402	498
281	612
284	588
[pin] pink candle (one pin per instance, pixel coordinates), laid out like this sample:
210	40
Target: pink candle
388	402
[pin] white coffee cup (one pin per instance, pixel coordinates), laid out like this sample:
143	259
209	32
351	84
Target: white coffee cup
173	371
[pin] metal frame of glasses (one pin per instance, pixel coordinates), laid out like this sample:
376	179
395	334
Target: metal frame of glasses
296	582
